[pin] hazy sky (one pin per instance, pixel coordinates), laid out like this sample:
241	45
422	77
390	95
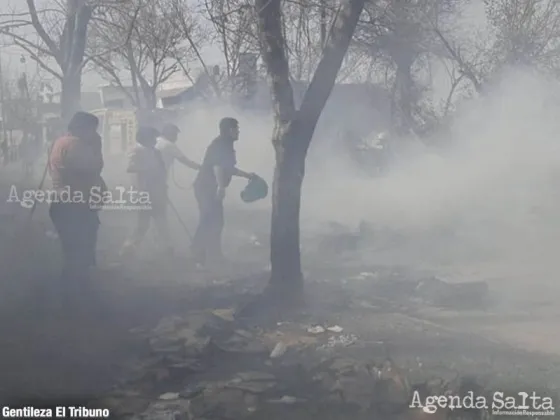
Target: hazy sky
11	55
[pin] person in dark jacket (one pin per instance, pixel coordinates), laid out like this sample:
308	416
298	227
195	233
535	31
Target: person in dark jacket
214	176
75	166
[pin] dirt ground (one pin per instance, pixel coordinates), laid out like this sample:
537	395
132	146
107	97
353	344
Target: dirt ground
510	343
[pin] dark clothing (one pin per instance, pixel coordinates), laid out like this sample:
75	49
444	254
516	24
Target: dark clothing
76	163
208	236
220	153
77	228
207	241
83	122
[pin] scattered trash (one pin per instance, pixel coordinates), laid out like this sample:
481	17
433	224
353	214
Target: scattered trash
186	366
225	314
278	350
244	334
341	340
168	396
192	392
335	329
286	399
243	341
253	382
316	330
256	376
181	346
291	338
251	401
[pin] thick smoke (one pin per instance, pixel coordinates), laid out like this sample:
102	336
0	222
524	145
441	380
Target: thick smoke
494	183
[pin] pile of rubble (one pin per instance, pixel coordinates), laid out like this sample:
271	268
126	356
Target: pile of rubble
210	365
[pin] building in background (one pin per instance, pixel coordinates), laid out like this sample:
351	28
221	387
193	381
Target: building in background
113	96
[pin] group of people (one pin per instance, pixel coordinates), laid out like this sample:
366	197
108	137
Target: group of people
76	163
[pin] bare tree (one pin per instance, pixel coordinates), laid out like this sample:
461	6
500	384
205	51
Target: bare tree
399	35
526	32
294	130
234	24
185	22
305	24
21	101
456	77
466	66
152	47
521	32
60	50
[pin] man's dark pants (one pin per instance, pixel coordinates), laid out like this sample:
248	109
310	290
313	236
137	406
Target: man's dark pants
77	228
207	241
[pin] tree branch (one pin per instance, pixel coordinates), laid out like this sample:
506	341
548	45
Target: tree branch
79	38
115	78
29	44
54	50
36	58
187	34
465	68
327	70
118	47
274	55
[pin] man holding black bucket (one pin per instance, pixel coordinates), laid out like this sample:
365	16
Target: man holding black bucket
217	169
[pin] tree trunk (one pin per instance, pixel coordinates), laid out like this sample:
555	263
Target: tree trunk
70	96
293	133
403	99
72	60
150	98
285	258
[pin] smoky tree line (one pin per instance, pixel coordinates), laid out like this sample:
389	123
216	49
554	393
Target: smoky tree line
398	45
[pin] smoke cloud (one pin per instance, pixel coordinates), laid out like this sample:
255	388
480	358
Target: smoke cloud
493	184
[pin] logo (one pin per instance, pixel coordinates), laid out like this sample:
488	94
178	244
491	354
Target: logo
520	404
121	198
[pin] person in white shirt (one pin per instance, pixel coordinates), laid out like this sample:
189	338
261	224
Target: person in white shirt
147	166
166	144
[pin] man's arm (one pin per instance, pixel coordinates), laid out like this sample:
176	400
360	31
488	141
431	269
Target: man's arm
189	163
222	180
242	174
178	154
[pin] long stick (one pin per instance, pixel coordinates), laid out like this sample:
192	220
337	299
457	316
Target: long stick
180	220
39	188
